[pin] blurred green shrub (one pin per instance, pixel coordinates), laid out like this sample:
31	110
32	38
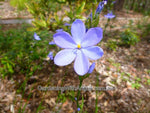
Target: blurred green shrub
48	14
20	52
142	6
128	38
45	12
7	68
20	4
112	45
146	31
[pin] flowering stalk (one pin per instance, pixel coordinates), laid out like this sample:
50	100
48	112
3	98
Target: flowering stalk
96	101
108	16
79	47
106	25
81	78
79	90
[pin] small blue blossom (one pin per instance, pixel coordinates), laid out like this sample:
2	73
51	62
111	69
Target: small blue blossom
36	37
52	43
75	98
50	55
99	8
113	2
79	47
109	15
105	2
91	68
78	109
66	24
59	30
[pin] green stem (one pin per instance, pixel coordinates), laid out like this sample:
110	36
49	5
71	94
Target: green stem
106	25
97	81
79	91
81	78
96	102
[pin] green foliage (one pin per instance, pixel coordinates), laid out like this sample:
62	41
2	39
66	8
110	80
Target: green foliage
148	71
144	26
128	38
112	45
136	85
76	8
61	97
142	6
20	4
109	6
19	51
43	11
148	81
146	30
80	9
7	67
40	107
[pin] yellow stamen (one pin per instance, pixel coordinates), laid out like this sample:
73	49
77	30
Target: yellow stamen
79	46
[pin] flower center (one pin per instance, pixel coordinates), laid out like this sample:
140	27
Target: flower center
78	46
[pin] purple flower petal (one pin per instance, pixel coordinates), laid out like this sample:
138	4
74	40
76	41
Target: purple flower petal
64	40
81	64
113	2
105	2
64	57
78	47
36	37
99	8
66	24
59	30
78	31
109	15
92	37
75	98
91	68
78	109
93	52
51	43
50	55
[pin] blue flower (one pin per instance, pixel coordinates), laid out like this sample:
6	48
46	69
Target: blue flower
105	2
78	109
59	30
109	15
99	8
52	43
36	37
50	55
79	47
66	24
75	98
113	2
91	68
